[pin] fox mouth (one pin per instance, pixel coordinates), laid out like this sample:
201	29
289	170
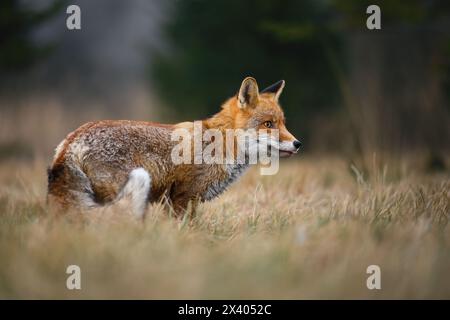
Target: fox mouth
286	153
282	153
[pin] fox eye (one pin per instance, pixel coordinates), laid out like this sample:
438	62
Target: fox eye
268	124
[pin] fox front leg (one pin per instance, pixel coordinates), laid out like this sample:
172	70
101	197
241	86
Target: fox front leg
185	206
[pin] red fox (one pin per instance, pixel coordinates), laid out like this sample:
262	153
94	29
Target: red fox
102	162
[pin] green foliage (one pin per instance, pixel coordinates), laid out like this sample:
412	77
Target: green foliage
17	50
213	45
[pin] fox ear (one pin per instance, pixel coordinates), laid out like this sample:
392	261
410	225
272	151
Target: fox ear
248	93
276	89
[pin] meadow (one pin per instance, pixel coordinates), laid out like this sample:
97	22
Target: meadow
308	232
370	188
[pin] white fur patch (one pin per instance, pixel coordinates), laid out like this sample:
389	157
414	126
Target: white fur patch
137	189
58	149
78	149
268	140
84	200
287	146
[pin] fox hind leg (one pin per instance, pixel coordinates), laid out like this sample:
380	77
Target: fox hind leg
137	189
69	188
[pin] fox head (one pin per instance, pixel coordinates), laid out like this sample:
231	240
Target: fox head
260	110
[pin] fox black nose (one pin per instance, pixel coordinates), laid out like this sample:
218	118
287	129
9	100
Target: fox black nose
297	144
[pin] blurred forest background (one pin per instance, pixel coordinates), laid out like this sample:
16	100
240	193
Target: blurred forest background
349	90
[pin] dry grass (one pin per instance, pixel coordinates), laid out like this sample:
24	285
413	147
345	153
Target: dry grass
308	232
